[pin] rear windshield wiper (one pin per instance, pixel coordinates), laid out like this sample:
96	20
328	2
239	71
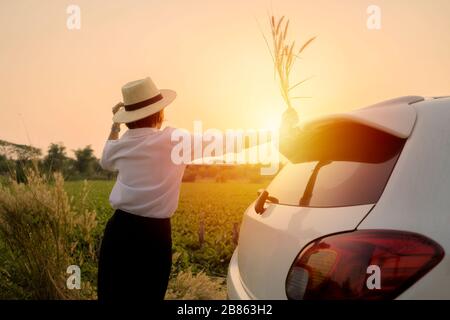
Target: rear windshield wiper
308	193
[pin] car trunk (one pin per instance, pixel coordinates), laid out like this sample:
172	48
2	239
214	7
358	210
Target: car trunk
336	176
269	243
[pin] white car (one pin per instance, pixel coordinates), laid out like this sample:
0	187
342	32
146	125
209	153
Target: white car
361	212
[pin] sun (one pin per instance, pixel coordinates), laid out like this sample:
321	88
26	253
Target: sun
269	119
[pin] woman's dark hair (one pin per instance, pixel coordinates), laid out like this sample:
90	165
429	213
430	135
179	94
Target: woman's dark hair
150	121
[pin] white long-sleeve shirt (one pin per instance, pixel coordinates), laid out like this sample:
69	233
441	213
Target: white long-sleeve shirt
148	182
149	179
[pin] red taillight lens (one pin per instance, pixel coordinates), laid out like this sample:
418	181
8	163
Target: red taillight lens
340	266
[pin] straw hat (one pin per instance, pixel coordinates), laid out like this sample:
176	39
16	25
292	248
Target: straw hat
141	99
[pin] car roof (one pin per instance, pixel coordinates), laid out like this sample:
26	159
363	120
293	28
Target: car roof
395	116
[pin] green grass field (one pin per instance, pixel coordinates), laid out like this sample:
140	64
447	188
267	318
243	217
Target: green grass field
204	233
217	206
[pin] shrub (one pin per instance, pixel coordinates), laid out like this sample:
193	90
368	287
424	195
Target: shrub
256	178
187	286
189	177
221	178
41	234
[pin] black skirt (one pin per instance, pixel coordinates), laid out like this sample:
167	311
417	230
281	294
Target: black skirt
135	258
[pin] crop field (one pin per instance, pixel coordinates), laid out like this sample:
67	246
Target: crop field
203	227
62	230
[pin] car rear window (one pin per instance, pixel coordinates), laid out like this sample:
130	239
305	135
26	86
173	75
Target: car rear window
341	164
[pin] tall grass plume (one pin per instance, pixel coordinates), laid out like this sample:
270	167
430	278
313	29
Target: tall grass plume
42	232
284	55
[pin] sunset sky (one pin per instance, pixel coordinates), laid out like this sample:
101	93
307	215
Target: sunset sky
58	85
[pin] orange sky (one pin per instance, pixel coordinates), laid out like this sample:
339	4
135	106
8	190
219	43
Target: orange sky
59	85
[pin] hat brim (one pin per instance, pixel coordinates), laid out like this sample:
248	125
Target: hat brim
123	116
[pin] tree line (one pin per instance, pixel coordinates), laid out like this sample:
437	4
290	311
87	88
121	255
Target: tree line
16	158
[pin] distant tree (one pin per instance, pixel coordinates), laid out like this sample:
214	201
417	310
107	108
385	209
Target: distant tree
6	165
19	158
189	174
56	158
85	161
19	151
28	153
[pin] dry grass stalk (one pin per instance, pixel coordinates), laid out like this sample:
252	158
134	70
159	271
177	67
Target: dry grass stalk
284	55
188	286
42	234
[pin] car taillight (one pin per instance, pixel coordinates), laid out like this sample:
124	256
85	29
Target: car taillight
339	266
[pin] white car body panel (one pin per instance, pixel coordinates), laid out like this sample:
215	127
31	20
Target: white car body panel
395	117
269	243
235	287
417	196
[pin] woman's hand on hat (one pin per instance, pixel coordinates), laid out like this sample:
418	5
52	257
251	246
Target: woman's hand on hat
117	107
115	128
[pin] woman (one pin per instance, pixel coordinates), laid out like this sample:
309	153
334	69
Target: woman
135	255
136	251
